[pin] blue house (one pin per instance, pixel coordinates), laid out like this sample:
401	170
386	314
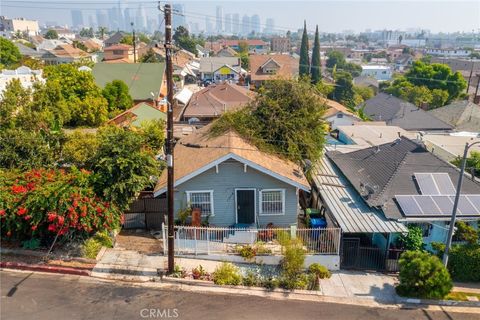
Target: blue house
234	183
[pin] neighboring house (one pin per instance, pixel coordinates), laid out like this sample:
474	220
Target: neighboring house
254	45
280	44
146	81
65	33
120	52
26	76
138	114
9	27
403	62
397	112
114	39
408	185
338	115
364	134
29	52
271	66
234	183
219	69
66	53
462	115
366	82
202	52
450	146
211	102
50	44
93	45
448	52
379	72
226	52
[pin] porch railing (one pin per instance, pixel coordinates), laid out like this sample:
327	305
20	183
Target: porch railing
216	240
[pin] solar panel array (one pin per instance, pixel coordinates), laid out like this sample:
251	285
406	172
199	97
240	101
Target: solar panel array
435	183
438	205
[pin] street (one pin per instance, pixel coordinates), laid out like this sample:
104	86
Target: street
28	295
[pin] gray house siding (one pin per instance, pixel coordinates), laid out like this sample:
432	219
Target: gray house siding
230	176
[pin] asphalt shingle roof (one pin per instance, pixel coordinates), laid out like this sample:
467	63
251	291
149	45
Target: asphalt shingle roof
388	170
397	112
141	78
463	115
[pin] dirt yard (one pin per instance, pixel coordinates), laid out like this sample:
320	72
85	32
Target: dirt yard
139	240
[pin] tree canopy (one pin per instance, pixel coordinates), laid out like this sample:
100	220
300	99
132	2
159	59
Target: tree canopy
118	96
9	53
285	118
304	67
51	34
184	40
316	63
337	59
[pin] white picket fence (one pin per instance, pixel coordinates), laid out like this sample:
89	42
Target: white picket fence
216	240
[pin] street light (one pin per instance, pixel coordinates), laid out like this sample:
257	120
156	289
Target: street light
455	204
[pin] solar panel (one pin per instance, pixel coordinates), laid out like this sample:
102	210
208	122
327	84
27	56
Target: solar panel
427	205
474	199
409	205
465	207
444	183
444	203
426	184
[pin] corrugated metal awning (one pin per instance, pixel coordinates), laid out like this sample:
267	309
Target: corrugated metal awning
347	206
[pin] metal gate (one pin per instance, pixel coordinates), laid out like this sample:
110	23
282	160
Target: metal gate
145	213
356	256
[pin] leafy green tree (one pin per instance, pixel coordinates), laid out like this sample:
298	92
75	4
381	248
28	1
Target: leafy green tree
183	39
121	170
439	98
304	68
423	275
117	95
316	64
92	111
9	53
344	92
153	133
285	118
335	58
102	31
13	98
127	39
143	38
466	233
51	34
418	95
437	76
79	148
87	33
473	163
325	89
151	57
79	45
413	239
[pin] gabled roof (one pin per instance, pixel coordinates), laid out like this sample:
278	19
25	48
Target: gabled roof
215	99
137	114
119	46
201	151
226	52
333	107
463	115
388	170
288	66
67	50
141	78
397	112
210	64
115	38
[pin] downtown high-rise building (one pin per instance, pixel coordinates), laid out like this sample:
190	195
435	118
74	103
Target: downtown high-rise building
269	26
102	19
246	25
208	26
255	24
140	18
219	20
113	19
228	23
235	23
178	17
77	19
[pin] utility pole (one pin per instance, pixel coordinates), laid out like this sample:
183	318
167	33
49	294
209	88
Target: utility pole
169	145
134	45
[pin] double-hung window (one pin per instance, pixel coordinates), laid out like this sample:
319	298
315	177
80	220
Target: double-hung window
203	200
272	202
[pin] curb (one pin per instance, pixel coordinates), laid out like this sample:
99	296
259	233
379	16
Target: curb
447	303
43	268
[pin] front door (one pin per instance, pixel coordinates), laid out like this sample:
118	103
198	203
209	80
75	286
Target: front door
245	206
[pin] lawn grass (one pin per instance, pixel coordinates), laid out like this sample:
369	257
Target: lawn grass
461	296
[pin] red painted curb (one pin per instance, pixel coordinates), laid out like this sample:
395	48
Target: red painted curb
42	268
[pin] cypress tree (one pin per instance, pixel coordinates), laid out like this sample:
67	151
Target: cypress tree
316	64
304	67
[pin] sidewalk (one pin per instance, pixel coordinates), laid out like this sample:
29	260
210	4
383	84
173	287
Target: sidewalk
118	264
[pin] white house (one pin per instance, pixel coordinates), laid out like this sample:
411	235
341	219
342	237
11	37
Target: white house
448	52
9	27
26	76
381	73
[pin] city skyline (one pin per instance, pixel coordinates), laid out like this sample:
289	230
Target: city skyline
342	15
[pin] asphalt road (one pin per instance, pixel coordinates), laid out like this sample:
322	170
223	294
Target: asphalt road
40	296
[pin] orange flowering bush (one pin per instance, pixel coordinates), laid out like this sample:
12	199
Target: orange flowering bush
43	203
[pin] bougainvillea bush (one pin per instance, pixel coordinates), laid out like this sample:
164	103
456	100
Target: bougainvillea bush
43	203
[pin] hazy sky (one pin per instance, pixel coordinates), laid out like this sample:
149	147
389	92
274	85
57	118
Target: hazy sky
331	16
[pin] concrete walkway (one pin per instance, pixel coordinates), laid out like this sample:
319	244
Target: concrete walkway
127	265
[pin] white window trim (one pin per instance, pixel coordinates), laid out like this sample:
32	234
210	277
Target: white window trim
189	192
261	200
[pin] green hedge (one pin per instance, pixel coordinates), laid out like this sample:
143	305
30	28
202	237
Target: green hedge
464	262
